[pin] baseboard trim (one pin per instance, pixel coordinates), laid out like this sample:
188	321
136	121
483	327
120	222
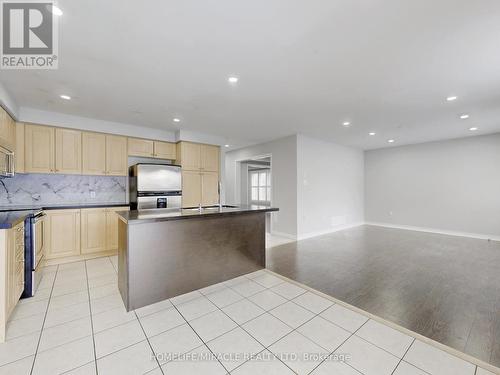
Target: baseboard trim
78	258
437	231
285	235
328	231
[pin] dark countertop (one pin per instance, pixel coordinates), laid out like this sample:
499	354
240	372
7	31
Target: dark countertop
62	206
9	219
166	214
12	215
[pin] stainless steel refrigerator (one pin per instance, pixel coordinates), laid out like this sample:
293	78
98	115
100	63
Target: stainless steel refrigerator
155	186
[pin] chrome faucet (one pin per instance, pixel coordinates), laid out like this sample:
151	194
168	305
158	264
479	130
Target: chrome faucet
219	188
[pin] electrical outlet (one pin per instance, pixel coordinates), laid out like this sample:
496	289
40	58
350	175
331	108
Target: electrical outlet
92	194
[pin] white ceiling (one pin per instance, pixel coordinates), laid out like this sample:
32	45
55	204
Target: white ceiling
304	66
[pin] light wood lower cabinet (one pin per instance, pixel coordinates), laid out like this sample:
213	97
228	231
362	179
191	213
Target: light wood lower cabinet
112	227
62	233
81	232
93	230
12	271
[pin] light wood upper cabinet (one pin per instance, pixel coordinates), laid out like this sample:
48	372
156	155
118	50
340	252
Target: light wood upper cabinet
209	158
68	151
4	129
62	233
191	188
140	147
7	130
39	149
164	150
94	153
112	227
93	230
19	151
190	156
198	157
200	177
116	156
151	149
209	188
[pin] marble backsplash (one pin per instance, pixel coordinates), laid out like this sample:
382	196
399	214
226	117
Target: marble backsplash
45	189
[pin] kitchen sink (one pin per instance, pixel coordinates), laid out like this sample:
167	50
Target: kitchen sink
211	208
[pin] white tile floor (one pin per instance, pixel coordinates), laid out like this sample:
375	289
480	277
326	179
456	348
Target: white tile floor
256	324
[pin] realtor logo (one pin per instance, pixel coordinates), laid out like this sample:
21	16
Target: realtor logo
29	35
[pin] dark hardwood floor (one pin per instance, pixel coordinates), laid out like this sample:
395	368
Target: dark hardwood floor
443	287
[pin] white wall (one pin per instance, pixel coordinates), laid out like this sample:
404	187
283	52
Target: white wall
284	179
329	187
446	186
317	185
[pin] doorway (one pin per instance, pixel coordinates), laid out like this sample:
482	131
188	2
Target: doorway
256	183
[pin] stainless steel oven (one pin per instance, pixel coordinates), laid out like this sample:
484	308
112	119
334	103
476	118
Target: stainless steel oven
34	252
6	163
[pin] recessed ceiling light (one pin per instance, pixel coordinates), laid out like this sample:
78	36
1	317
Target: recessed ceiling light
226	145
233	79
451	98
465	116
175	119
372	133
391	140
346	123
473	129
65	97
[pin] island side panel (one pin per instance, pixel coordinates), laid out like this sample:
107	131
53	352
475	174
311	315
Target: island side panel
122	261
169	258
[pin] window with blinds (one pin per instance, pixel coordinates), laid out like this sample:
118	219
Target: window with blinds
260	187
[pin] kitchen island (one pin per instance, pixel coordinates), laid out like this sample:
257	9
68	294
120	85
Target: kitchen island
163	253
